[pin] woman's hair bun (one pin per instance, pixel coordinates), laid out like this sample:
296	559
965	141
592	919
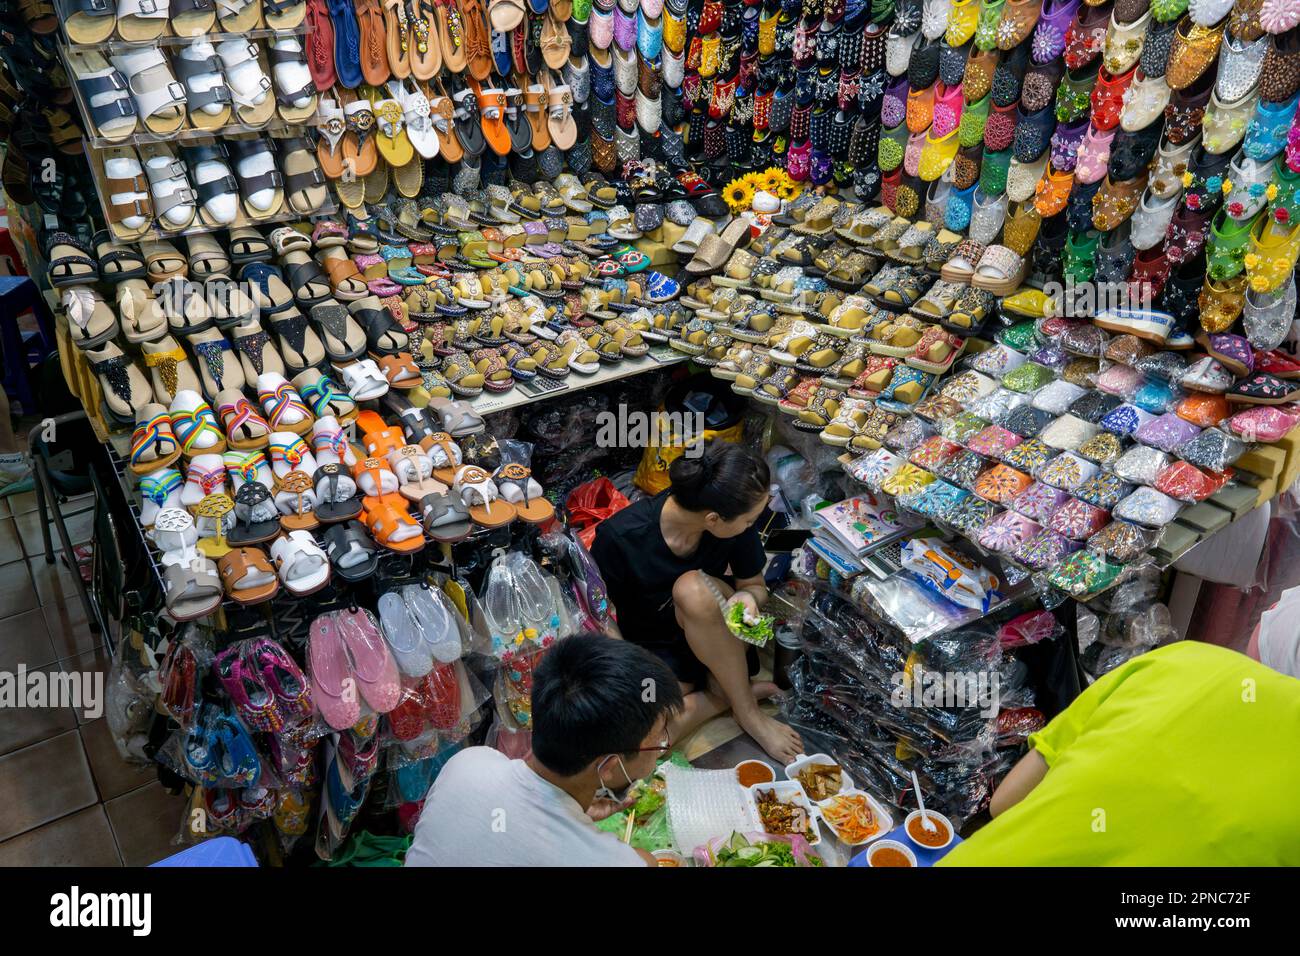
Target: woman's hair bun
689	472
723	478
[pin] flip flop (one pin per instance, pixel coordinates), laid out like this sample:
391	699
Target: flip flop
374	40
426	52
376	672
330	668
336	494
479	493
256	517
397	37
519	488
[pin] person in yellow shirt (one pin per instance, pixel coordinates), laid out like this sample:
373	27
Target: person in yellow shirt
1185	756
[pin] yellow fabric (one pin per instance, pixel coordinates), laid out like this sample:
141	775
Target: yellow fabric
1185	756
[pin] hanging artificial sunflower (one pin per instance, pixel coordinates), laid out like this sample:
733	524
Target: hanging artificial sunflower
739	195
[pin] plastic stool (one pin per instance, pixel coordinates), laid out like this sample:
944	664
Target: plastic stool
18	294
221	851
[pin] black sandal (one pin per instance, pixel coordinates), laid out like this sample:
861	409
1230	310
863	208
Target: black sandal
65	253
344	540
250	495
328	507
128	262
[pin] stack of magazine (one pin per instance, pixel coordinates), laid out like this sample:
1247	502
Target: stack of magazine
847	534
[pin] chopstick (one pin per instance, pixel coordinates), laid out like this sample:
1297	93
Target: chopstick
631	821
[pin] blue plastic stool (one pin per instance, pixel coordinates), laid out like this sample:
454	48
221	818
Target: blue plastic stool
221	851
19	294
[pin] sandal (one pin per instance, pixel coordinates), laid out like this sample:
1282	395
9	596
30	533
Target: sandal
475	488
153	444
461	375
261	185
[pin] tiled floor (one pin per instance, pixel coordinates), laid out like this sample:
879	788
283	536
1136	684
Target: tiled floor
68	799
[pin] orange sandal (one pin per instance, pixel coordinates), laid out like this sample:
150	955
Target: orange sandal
391	525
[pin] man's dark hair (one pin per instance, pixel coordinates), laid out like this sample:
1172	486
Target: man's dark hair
590	699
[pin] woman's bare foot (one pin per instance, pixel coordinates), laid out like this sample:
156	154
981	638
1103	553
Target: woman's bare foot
763	689
779	741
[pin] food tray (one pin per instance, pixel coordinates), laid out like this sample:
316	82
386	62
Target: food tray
787	791
792	770
883	817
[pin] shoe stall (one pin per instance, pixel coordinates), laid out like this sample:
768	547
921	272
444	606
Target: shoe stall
365	275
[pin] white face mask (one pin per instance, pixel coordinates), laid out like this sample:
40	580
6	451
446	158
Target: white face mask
603	790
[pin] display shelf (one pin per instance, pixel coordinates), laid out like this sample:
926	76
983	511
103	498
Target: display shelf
116	44
524	393
329	208
274	125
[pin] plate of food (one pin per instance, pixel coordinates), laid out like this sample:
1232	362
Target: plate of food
820	776
782	808
855	817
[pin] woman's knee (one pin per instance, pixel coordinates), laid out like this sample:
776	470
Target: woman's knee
691	596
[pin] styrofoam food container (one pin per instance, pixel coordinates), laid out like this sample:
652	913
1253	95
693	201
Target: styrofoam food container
884	817
893	845
787	791
916	815
761	763
792	770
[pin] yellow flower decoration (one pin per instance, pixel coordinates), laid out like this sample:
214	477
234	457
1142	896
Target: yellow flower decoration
1259	284
772	182
739	195
1227	186
1251	260
1271	191
1187	180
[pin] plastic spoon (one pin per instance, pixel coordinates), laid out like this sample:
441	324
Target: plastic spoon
920	802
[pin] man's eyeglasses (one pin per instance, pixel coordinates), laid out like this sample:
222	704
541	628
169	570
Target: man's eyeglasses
663	748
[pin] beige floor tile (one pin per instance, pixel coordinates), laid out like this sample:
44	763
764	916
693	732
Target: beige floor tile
44	782
80	839
26	641
113	775
24	726
144	823
17	591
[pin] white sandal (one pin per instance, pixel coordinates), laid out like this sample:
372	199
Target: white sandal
363	380
303	567
159	98
478	491
250	88
142	19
